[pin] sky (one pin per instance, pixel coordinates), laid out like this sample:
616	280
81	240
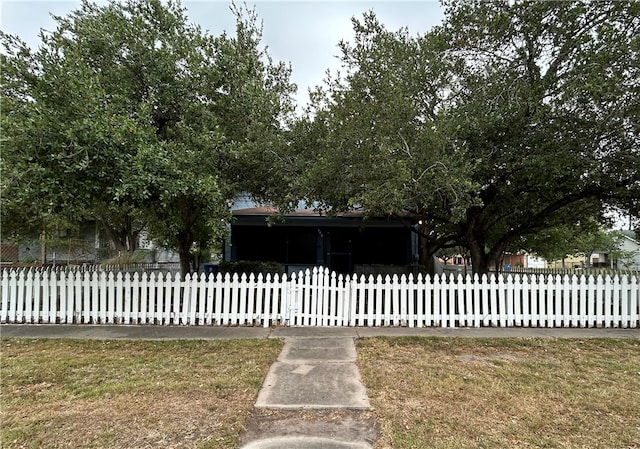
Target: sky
304	33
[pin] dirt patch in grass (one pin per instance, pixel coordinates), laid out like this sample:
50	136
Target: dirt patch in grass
503	393
125	394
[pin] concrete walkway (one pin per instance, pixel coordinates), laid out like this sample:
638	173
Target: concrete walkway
313	376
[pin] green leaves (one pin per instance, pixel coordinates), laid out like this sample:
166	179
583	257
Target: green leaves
509	119
130	113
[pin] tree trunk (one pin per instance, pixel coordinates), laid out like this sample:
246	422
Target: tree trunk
475	241
43	247
479	259
184	251
427	254
124	238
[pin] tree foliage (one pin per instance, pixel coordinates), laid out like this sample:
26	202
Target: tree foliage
510	119
379	137
129	115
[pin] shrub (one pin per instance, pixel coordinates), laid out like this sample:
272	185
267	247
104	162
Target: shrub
250	266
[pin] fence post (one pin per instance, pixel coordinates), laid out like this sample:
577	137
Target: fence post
324	295
427	301
53	297
521	297
624	301
21	285
353	297
144	298
177	297
118	318
155	299
409	299
313	313
251	287
437	301
451	299
127	299
192	296
62	301
259	309
268	300
421	297
69	291
103	297
210	293
111	294
607	301
557	302
333	307
361	314
599	302
4	312
27	301
635	301
567	299
616	300
583	301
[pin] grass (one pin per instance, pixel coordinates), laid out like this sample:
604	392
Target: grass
426	392
503	393
124	394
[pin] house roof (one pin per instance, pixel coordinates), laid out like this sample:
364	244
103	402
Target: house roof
631	235
259	216
270	210
248	212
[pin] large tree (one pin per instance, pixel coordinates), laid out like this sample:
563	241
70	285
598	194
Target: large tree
509	119
547	112
130	115
378	138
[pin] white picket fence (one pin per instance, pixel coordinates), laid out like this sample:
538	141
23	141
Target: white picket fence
319	298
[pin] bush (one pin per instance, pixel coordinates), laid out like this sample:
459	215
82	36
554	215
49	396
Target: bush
250	266
138	256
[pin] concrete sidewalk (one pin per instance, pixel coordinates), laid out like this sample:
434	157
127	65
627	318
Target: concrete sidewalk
315	376
151	332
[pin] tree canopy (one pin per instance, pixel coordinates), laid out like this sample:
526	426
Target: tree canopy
509	119
130	115
504	128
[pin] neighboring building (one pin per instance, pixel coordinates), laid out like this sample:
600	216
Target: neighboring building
569	262
9	252
82	246
630	248
518	260
627	256
535	262
343	243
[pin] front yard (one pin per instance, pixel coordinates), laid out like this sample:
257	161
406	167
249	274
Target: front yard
426	392
124	394
503	393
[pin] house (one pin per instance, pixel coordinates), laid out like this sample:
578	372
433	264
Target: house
81	246
569	262
628	257
84	245
344	243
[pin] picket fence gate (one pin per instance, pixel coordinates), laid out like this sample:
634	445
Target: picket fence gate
319	298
